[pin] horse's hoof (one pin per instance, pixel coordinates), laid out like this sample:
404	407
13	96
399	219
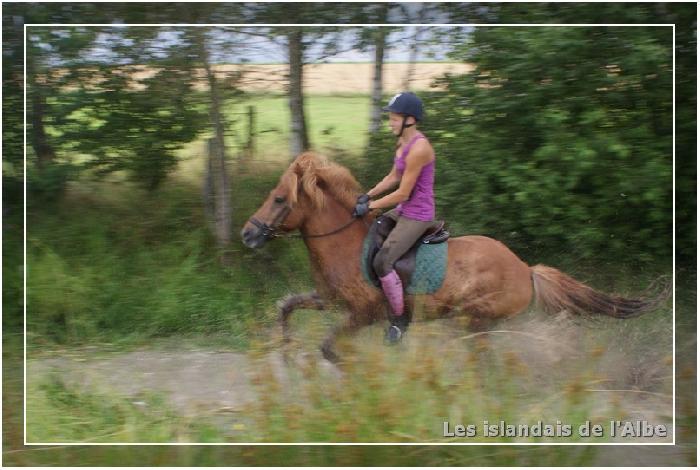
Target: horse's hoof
330	355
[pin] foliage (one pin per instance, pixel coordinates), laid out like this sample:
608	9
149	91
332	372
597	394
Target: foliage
118	122
49	184
378	159
560	136
127	268
684	17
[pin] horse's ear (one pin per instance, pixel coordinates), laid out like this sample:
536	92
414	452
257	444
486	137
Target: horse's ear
304	164
297	168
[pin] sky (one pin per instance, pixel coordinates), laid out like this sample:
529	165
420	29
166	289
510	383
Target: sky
398	51
261	49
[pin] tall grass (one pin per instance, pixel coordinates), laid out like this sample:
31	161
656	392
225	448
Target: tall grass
132	266
384	395
62	413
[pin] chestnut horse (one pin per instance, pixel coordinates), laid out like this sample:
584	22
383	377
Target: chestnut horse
484	279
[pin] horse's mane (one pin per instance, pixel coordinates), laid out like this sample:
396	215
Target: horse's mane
319	176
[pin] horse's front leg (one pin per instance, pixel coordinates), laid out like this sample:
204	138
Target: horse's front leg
351	324
287	305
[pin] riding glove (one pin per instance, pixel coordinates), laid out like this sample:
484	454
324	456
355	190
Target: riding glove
362	206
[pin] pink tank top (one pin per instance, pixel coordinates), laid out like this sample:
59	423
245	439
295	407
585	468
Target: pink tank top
421	203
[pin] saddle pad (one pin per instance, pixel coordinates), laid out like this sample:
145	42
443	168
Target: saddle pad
429	274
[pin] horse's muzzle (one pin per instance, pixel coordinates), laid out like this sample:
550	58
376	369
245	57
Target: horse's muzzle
253	237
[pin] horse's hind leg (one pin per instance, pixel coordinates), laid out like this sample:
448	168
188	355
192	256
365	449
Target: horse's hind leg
351	324
287	305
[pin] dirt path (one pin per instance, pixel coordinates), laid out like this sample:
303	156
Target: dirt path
192	380
197	382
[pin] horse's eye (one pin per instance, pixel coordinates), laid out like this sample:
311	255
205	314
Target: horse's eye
279	199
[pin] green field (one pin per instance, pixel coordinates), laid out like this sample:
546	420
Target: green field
336	124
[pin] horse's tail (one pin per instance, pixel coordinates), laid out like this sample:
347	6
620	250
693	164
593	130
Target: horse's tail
556	291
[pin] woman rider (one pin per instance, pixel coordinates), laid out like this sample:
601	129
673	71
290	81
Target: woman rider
413	172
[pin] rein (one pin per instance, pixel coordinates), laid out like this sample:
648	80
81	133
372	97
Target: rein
338	230
270	232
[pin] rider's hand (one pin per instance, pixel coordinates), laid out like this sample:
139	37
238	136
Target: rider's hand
362	206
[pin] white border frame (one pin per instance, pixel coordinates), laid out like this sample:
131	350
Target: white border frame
176	25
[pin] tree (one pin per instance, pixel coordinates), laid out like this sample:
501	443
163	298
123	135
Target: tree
377	38
565	125
425	13
642	95
217	167
300	135
297	41
124	116
46	49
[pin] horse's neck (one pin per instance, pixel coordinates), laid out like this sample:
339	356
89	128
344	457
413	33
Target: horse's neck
335	257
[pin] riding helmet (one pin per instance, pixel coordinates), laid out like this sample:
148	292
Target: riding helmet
406	103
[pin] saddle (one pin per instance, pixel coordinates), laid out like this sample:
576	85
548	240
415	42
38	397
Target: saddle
406	265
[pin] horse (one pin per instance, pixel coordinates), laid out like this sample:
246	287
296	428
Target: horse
484	279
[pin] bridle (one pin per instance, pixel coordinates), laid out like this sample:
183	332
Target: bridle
268	231
271	231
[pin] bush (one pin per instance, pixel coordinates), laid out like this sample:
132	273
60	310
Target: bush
560	136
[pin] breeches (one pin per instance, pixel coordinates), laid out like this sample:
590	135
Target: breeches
400	240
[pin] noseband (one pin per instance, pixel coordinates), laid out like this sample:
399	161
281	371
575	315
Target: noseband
270	231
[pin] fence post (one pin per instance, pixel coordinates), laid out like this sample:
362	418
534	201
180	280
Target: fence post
208	186
250	145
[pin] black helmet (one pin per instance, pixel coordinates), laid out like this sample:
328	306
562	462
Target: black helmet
406	103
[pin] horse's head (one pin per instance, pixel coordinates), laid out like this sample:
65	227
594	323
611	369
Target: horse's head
300	191
281	211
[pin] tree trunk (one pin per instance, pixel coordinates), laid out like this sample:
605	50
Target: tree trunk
375	119
413	54
219	172
377	85
44	152
299	138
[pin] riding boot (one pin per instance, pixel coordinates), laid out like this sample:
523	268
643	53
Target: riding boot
393	289
397	329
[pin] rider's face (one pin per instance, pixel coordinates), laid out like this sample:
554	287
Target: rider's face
396	122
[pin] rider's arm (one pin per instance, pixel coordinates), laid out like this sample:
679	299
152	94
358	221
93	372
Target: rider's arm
419	156
389	182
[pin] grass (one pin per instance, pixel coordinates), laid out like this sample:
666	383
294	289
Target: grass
116	269
61	414
126	268
383	395
405	396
